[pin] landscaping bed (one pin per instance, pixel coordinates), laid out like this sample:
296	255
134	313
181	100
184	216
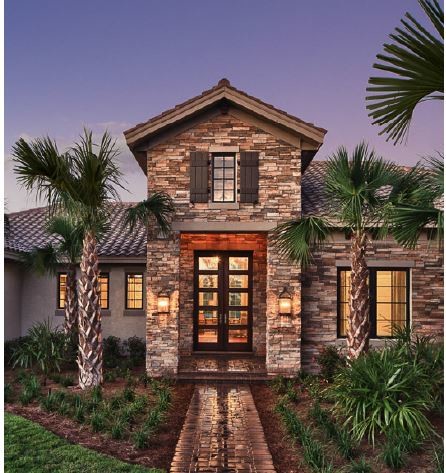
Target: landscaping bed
132	417
288	455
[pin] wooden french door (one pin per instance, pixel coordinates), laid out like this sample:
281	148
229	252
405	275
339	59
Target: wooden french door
223	301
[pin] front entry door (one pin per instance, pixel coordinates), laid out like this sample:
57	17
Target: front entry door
223	301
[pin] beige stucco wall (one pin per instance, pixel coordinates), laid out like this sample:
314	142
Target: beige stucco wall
12	292
37	301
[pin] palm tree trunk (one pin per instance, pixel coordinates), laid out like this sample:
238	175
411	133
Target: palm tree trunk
359	324
90	330
71	302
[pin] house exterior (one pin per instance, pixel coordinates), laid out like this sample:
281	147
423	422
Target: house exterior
235	167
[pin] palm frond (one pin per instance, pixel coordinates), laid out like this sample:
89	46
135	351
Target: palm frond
356	186
43	260
297	239
39	166
158	206
414	62
70	234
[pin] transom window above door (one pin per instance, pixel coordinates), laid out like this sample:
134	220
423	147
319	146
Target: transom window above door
223	177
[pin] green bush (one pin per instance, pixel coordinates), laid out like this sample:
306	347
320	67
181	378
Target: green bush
10	347
128	394
136	350
340	435
439	459
380	391
30	391
393	455
330	360
118	429
49	402
111	350
360	466
43	348
8	392
97	421
141	439
96	394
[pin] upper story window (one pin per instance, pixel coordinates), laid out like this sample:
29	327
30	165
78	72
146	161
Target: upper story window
134	291
223	177
389	300
104	286
61	290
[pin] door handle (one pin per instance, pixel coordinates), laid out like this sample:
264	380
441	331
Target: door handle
226	318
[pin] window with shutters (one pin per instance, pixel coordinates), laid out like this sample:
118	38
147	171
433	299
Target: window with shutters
223	177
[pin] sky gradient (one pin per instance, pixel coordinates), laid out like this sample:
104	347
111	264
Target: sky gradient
109	64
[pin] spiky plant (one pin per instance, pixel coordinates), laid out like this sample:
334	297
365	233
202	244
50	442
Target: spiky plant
414	61
356	187
66	251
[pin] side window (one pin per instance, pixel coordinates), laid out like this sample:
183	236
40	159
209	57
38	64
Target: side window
61	290
104	285
389	301
134	291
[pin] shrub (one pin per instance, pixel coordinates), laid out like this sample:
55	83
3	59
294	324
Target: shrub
118	429
97	421
111	347
79	412
379	391
360	466
128	394
8	392
110	376
340	435
31	390
136	350
44	347
63	408
10	347
49	402
144	379
393	455
278	384
141	439
96	394
439	459
330	360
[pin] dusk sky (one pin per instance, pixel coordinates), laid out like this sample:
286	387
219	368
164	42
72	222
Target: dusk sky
109	64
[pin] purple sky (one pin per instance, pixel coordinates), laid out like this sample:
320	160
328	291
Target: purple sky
112	64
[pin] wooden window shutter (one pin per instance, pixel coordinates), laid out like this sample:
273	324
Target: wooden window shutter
199	176
249	176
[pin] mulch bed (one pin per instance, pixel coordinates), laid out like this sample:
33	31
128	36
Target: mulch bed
288	456
162	445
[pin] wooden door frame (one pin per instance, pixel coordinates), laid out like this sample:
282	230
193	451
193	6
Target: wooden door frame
223	290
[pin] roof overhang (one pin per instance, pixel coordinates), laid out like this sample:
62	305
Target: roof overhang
220	99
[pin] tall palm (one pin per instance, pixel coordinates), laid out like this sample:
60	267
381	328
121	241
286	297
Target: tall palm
414	63
81	182
67	251
357	187
422	206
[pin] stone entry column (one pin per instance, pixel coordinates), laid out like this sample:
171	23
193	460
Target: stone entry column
162	329
283	333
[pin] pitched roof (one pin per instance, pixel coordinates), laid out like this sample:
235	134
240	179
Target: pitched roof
25	231
223	92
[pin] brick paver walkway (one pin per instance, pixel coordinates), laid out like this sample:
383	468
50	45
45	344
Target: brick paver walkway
222	433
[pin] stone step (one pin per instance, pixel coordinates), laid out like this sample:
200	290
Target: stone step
235	377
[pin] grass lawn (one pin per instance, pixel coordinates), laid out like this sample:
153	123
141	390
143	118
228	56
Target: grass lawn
31	448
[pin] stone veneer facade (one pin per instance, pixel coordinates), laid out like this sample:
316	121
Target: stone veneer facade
170	260
319	290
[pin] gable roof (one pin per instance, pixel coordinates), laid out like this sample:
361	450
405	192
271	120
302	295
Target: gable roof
222	93
25	231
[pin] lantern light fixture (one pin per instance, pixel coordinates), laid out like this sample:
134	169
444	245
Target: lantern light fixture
285	302
163	302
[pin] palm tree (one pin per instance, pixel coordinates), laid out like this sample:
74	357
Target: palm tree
80	182
358	189
414	62
421	206
67	251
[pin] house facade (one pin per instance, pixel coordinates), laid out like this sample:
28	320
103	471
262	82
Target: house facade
235	168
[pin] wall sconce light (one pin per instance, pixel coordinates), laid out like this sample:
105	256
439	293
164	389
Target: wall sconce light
285	302
163	303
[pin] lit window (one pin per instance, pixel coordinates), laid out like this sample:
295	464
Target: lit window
61	290
134	291
389	301
223	178
104	287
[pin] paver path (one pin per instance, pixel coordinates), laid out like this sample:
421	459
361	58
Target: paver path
222	433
